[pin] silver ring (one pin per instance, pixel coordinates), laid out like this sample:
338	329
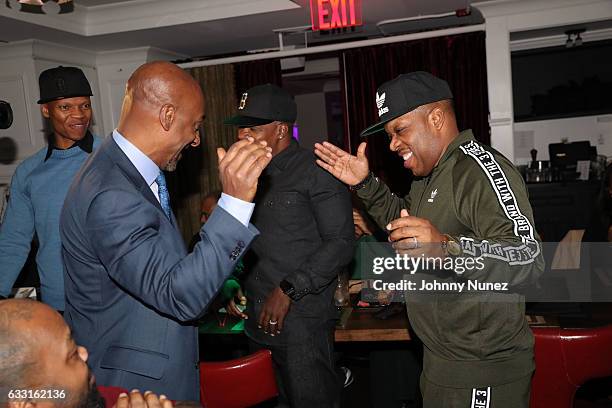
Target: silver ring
416	243
273	321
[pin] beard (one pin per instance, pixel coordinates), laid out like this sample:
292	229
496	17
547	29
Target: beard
171	165
92	398
173	162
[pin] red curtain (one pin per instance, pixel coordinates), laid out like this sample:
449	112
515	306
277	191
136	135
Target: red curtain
251	73
458	59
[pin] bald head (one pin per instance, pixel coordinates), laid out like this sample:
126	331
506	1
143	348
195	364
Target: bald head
157	83
20	320
162	110
37	352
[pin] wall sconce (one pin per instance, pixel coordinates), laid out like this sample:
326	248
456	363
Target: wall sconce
573	38
36	6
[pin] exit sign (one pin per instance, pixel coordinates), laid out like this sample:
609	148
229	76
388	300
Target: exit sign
332	14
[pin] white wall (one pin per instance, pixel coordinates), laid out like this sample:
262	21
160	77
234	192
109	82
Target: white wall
22	62
503	17
538	134
114	69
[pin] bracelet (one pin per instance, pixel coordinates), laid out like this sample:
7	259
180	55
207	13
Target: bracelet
362	183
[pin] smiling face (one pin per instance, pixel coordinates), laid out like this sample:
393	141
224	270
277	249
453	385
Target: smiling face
185	129
417	138
70	119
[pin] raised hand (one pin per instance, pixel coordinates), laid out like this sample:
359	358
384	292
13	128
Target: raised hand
241	166
345	167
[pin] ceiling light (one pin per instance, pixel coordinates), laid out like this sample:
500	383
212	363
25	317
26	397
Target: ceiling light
39	7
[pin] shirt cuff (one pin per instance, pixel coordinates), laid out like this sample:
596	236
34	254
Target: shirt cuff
240	210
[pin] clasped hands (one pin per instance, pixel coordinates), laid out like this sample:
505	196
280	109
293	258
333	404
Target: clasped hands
241	165
415	236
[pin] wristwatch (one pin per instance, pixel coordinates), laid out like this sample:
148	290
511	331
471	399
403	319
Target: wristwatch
287	288
362	183
450	246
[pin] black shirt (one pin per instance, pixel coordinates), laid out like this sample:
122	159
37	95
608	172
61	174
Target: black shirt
305	218
85	144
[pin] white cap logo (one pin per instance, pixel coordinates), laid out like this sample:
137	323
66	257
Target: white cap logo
380	101
243	101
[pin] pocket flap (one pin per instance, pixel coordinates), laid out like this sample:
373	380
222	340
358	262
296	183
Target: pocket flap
134	360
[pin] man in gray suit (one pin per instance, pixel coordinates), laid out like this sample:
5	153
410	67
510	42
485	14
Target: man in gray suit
131	287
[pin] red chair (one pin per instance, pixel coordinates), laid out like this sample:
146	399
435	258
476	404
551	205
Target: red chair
566	359
110	394
238	383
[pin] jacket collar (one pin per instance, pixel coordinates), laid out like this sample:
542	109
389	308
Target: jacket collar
114	152
461	138
282	159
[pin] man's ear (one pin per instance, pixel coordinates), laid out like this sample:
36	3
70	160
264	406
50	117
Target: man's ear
437	118
167	114
45	110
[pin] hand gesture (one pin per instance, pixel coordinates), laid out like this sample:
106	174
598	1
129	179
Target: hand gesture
241	166
273	313
232	308
345	167
361	225
137	400
410	235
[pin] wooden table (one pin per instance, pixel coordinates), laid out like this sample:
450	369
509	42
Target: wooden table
361	325
355	325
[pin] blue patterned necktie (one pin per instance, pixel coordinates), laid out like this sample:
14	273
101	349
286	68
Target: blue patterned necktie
164	197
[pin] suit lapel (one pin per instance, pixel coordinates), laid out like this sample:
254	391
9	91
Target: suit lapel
116	154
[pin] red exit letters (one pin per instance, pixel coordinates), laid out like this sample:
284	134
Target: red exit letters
331	14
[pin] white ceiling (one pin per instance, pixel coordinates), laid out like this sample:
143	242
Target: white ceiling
90	3
196	27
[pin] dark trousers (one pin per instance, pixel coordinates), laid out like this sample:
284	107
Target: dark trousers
304	365
394	376
511	395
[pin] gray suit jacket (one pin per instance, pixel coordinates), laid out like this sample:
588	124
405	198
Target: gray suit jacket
131	287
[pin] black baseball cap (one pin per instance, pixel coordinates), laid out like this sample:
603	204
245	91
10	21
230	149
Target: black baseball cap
264	104
62	82
406	93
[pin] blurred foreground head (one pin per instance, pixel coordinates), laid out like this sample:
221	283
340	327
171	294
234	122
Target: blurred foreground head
40	360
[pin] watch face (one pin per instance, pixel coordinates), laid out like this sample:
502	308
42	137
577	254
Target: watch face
453	248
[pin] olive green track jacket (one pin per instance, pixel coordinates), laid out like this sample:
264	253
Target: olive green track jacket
478	197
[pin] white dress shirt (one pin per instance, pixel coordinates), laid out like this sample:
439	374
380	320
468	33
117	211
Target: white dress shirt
237	208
